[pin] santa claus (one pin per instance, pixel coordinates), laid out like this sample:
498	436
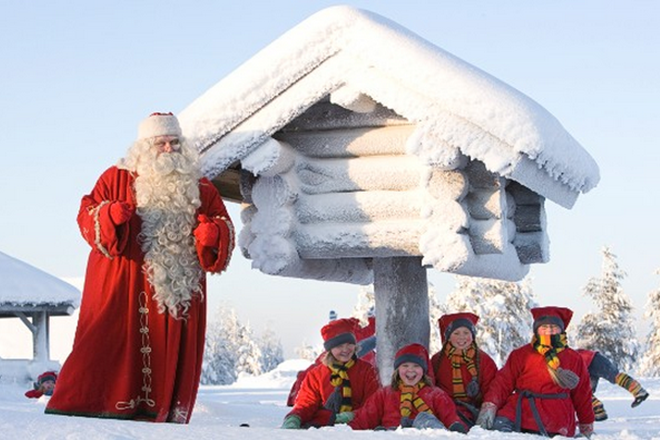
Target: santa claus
155	227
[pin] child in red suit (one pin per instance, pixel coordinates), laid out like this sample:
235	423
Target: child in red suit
543	386
411	400
341	383
461	369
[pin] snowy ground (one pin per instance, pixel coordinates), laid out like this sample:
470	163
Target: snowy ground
260	402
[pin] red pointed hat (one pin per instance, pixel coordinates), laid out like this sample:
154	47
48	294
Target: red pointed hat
450	322
337	332
560	316
416	353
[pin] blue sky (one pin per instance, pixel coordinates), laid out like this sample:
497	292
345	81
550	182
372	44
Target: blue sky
77	77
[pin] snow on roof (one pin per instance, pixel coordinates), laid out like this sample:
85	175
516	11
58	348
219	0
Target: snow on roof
23	284
350	52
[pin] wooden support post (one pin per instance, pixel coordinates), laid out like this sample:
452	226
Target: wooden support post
402	308
41	347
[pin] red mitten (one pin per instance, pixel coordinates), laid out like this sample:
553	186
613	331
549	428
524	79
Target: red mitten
207	233
121	212
34	394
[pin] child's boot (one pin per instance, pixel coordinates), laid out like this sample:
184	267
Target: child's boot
633	387
599	409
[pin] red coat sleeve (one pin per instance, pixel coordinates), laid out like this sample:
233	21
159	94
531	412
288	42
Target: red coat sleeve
370	415
94	214
581	395
487	371
311	397
215	259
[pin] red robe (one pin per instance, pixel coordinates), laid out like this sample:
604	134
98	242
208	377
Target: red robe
316	389
383	408
128	361
443	379
526	369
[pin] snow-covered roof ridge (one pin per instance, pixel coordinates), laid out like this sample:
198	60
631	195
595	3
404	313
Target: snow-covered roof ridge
22	283
344	47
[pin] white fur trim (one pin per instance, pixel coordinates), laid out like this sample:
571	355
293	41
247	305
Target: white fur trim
159	125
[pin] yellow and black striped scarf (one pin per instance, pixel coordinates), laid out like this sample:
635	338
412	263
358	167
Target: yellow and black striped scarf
457	358
339	379
410	399
549	346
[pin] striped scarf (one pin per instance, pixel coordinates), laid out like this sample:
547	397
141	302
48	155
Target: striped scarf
410	399
549	346
341	398
457	358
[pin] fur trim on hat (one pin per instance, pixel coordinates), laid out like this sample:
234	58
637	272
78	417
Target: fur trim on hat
159	124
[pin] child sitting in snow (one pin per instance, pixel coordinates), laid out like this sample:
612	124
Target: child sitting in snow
342	382
461	368
410	401
543	385
45	385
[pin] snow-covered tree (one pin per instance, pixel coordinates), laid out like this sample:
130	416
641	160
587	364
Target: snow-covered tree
365	304
650	363
308	352
248	353
611	330
230	350
436	310
503	307
272	353
219	364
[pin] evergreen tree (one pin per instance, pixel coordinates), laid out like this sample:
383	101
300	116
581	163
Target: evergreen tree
307	352
219	362
365	304
272	353
436	310
610	330
248	353
230	350
503	307
650	364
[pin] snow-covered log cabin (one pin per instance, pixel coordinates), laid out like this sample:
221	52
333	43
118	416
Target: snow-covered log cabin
350	138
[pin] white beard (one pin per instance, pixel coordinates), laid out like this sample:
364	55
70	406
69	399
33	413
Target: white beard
167	194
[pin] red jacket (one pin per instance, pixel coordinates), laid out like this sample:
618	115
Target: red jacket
443	378
383	408
316	389
526	369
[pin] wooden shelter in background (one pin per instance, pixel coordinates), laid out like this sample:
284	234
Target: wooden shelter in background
362	153
33	296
